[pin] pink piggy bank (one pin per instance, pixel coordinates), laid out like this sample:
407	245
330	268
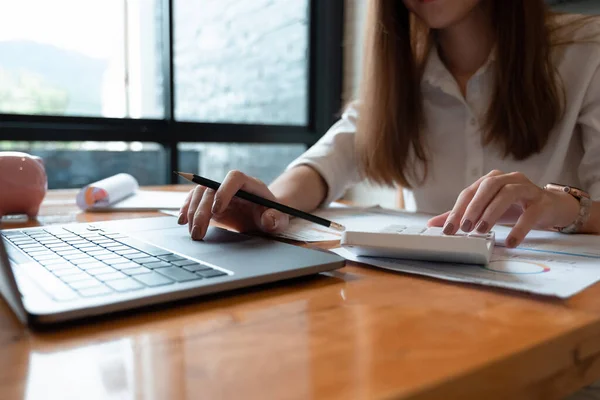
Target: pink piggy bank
23	183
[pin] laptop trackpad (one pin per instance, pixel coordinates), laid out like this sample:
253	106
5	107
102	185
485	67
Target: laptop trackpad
216	240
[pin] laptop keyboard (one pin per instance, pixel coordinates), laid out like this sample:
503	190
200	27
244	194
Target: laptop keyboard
88	262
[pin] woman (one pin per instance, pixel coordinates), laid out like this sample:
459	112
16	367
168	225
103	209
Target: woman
451	90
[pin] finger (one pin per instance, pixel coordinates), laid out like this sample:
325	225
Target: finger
508	196
439	220
194	202
273	221
184	208
203	215
524	225
453	222
488	189
234	181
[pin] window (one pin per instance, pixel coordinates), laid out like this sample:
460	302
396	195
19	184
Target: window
80	58
241	61
151	86
215	160
72	165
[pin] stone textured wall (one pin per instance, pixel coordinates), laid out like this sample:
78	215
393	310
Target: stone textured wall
241	61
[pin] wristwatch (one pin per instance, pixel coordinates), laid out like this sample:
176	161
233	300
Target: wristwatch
585	205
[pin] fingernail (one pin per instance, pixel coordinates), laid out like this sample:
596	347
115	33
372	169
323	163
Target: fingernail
448	229
511	241
216	208
482	227
466	225
195	232
274	222
180	220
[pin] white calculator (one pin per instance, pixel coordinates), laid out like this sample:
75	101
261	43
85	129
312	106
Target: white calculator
421	243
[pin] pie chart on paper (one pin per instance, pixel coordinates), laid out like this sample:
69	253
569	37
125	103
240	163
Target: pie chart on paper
516	267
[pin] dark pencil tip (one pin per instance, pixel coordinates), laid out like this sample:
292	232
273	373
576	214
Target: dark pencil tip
176	173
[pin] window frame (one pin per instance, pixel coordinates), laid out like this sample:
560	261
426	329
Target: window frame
325	69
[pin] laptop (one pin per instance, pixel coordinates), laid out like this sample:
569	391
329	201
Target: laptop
59	273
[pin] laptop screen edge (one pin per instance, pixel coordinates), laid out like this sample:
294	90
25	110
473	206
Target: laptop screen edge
8	285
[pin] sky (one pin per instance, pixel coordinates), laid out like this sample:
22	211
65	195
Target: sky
91	27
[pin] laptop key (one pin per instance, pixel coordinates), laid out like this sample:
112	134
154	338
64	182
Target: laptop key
84	260
116	246
211	274
197	267
56	267
80	276
11	233
89	248
59	245
47	242
79	256
146	260
99	271
85	246
178	274
66	271
67	237
23	241
46	257
126	266
153	279
181	263
95	291
110	276
39	253
30	246
145	247
126	251
171	257
97	253
117	260
158	264
85	284
108	257
53	261
134	256
94	265
137	271
125	285
71	250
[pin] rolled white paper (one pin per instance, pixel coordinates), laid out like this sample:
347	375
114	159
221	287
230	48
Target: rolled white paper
107	191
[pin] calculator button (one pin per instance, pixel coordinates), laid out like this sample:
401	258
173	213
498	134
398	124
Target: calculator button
434	231
414	230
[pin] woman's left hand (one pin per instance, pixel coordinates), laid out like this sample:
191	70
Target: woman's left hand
507	198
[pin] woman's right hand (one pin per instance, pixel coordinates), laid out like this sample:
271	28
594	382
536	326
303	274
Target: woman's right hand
203	204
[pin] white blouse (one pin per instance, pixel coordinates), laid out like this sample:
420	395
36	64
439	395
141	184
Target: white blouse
454	136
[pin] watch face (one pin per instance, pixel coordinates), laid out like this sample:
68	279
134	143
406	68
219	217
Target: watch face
572	190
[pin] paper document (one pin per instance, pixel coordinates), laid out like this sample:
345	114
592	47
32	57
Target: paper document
539	273
121	193
554	242
354	218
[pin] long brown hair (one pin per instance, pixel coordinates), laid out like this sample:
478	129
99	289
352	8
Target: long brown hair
527	100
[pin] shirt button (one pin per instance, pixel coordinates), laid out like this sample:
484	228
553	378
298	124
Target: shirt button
475	172
473	122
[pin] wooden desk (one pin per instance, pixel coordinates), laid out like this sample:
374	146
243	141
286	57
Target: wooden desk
358	333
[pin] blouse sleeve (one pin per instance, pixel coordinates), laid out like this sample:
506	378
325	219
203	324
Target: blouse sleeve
589	120
333	156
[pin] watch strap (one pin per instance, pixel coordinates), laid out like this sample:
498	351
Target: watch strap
585	205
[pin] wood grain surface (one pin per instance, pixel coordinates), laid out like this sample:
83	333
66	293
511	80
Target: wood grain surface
357	333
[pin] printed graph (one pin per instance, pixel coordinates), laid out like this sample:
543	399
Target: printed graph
516	267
